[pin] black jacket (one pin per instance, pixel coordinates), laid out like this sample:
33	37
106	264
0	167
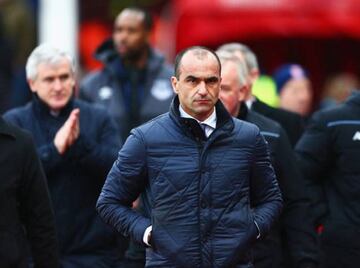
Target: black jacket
25	206
75	178
329	157
291	122
287	236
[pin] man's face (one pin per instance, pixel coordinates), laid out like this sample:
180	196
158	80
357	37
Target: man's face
130	36
54	84
231	91
296	96
198	84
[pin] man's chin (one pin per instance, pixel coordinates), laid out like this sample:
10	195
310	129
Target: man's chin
57	106
130	56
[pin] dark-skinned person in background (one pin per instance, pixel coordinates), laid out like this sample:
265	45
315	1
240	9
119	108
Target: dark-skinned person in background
134	83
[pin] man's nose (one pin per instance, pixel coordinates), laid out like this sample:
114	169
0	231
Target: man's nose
123	36
58	84
202	88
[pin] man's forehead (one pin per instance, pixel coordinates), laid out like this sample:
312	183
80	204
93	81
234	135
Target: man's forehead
62	65
130	15
199	61
199	54
63	61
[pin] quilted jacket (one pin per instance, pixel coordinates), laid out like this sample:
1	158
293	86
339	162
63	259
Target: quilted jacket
204	194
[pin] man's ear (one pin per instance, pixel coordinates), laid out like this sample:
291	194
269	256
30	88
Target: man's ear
32	85
243	93
174	82
254	74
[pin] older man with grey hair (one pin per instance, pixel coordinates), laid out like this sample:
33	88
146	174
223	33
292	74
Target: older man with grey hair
291	122
287	237
77	144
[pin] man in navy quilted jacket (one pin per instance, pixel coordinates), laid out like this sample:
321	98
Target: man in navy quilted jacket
206	178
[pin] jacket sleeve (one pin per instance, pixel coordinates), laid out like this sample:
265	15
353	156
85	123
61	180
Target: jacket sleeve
300	238
265	194
49	156
36	211
126	180
97	154
83	92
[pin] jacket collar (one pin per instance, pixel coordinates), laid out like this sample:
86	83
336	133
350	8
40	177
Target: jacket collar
224	119
243	112
42	109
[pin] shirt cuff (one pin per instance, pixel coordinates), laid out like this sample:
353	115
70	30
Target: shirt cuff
146	235
257	227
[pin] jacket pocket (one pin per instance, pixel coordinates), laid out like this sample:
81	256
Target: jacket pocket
245	244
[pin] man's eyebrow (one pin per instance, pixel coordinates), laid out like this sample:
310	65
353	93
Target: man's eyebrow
191	77
212	78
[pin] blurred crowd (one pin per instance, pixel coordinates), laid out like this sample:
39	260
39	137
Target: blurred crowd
75	129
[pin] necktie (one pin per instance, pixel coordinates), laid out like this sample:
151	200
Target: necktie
203	127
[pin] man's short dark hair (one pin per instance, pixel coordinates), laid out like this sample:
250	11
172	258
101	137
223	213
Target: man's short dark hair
148	21
181	54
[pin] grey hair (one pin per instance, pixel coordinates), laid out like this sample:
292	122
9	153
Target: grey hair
45	53
249	55
242	71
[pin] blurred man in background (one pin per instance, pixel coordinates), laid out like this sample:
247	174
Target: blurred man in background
328	154
77	145
19	30
294	89
287	236
6	70
291	122
134	84
27	218
338	88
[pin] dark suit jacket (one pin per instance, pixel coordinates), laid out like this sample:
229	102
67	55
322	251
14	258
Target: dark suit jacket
291	122
26	213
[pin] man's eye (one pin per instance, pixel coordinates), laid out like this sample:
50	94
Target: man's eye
64	77
224	88
212	81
